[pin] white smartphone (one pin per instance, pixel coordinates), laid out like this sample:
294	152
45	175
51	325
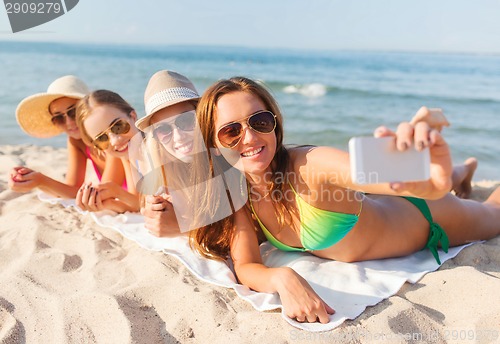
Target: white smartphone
377	160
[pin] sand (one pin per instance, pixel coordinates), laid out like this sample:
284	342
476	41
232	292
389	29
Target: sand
64	279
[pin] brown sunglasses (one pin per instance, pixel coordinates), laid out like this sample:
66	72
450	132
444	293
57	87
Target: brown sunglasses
119	126
263	122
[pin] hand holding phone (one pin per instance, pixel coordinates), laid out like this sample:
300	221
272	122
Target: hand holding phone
377	160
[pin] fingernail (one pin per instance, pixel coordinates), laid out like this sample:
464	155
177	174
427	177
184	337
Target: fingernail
421	145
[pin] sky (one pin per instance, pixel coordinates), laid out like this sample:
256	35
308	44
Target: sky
470	26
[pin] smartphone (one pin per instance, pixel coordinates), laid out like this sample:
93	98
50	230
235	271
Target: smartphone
377	160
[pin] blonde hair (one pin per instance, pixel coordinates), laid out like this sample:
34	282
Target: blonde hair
213	241
93	100
162	163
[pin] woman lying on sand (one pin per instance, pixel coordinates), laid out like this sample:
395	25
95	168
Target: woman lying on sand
301	199
48	114
106	122
170	101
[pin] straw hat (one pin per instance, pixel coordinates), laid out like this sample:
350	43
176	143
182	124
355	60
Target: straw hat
165	88
33	114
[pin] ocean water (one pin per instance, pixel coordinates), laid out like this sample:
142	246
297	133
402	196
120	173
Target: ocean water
326	97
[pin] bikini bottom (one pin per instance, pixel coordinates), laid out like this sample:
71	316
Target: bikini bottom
437	235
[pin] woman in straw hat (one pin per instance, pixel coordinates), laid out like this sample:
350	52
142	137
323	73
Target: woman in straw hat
48	114
170	102
106	122
302	199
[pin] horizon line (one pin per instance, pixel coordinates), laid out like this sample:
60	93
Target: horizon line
235	46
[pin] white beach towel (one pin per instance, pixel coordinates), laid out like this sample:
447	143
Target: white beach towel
347	287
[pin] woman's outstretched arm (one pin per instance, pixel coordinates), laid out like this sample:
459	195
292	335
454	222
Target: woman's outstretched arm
331	165
23	179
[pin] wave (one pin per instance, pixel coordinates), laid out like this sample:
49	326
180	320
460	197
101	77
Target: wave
315	90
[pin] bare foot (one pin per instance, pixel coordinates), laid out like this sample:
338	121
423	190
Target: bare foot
494	197
462	178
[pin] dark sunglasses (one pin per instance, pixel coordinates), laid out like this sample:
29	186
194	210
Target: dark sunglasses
185	121
59	118
263	122
119	126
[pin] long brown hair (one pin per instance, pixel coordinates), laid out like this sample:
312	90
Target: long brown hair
213	241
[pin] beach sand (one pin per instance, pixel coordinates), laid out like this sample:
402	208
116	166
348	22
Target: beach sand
64	279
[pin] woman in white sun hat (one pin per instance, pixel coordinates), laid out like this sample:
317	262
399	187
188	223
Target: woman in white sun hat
48	114
170	102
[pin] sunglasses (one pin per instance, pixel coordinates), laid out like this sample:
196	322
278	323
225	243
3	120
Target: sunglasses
59	118
185	121
119	126
263	122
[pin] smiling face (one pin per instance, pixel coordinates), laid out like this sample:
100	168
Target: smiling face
255	151
59	110
111	121
174	127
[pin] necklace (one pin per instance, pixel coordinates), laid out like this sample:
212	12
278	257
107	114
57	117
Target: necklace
267	194
258	193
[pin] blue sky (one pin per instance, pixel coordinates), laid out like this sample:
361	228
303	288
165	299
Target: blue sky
389	25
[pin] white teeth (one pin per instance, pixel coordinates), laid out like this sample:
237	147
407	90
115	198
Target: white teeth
122	148
184	149
252	153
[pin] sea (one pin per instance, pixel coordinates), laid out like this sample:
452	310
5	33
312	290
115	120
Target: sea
326	96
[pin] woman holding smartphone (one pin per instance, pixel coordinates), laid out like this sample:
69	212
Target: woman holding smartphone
302	199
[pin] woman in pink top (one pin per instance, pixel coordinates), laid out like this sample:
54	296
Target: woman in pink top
106	122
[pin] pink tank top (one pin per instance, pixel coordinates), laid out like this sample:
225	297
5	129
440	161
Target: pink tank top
96	169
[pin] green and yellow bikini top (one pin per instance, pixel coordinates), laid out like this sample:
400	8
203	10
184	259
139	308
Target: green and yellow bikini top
319	229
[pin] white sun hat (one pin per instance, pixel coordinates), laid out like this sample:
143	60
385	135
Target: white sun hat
165	88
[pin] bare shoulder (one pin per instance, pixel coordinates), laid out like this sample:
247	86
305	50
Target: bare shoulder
77	144
320	165
322	153
245	241
317	157
243	220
